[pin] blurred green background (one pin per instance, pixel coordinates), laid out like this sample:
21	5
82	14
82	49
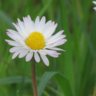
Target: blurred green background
74	72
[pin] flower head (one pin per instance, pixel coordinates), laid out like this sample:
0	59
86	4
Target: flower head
35	39
94	2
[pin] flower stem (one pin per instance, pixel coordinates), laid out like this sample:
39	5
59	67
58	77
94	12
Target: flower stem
34	83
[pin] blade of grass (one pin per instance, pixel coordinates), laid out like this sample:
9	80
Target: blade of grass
13	80
59	78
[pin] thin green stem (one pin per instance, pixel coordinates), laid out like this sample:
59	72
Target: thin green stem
35	92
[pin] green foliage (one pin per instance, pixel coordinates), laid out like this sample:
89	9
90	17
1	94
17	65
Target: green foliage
74	72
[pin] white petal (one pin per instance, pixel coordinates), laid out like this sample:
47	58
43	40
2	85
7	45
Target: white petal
58	34
51	41
15	55
37	20
29	24
36	57
19	30
43	20
51	53
29	56
45	59
14	35
30	20
59	42
42	52
15	49
57	49
12	43
22	27
48	24
23	53
56	44
94	2
40	24
50	30
94	8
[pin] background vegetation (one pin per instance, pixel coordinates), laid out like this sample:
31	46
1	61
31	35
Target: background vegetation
74	72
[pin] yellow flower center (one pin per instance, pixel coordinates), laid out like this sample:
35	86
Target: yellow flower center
35	41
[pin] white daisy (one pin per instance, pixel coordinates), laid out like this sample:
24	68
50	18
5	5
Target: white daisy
35	39
94	2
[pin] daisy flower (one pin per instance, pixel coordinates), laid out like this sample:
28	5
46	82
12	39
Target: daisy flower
94	2
35	39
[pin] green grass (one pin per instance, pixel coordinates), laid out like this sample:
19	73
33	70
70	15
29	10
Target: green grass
74	72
